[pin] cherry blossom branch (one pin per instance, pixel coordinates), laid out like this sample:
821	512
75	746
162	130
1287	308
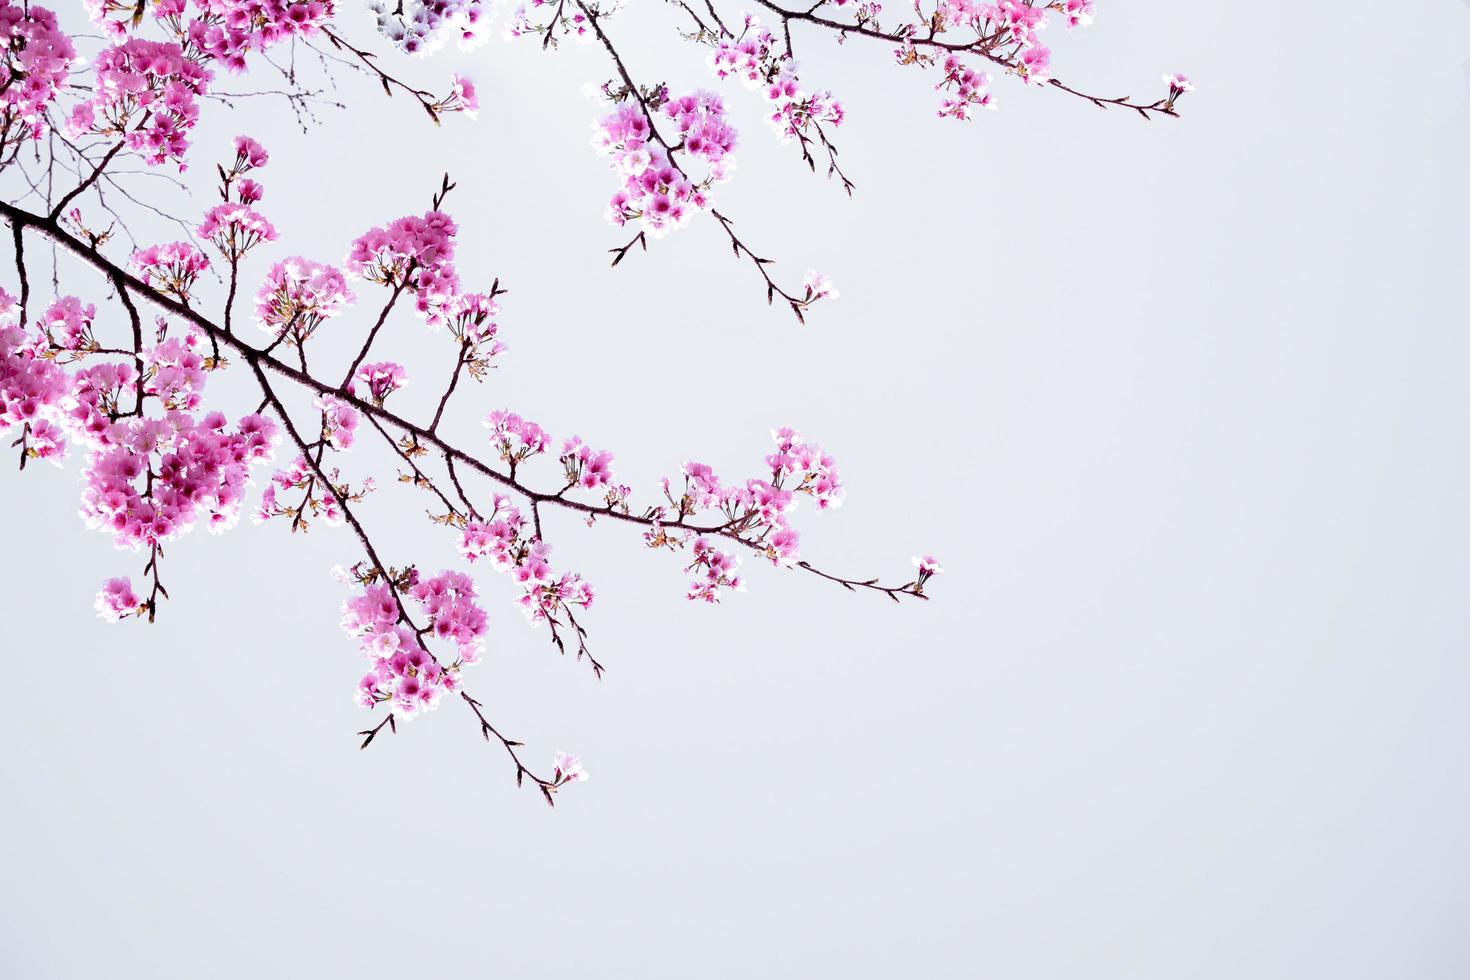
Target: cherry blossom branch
634	91
982	46
259	360
545	785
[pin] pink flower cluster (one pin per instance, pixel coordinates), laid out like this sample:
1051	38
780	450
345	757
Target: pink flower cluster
34	390
412	253
471	319
404	675
230	29
299	295
117	600
172	268
175	371
589	468
187	469
753	58
515	439
34	62
654	189
339	422
756	511
700	120
497	538
249	155
967	88
454	617
152	83
380	380
716	570
322	501
818	285
571	22
510	545
223	29
1178	85
96	398
1011	25
68	323
234	226
420	27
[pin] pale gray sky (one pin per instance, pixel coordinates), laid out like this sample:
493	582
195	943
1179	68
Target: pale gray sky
1180	405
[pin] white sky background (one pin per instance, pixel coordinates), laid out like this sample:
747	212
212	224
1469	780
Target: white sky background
1179	405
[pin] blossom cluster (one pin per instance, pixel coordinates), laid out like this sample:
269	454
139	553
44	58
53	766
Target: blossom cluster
753	57
34	390
172	267
755	512
152	87
589	468
967	89
420	27
68	323
404	674
34	62
413	253
471	319
231	29
322	502
380	380
235	227
1013	26
150	480
147	91
339	422
716	570
297	296
510	545
655	189
175	371
516	439
117	600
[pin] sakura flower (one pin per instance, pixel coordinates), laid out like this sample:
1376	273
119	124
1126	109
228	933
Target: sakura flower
117	600
568	769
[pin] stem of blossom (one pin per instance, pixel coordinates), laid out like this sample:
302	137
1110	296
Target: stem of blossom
454	478
546	786
373	333
372	733
230	299
464	346
152	568
137	323
420	478
20	268
96	173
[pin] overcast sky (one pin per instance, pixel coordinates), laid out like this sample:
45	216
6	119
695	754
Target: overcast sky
1180	406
